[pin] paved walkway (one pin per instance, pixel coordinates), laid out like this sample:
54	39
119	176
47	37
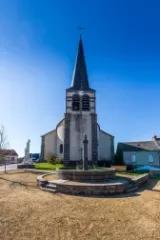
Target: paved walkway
8	167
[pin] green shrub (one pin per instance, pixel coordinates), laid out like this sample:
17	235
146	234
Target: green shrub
54	159
59	160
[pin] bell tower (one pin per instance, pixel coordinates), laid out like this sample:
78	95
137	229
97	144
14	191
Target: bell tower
80	116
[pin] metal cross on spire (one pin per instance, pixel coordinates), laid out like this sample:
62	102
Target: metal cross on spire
80	29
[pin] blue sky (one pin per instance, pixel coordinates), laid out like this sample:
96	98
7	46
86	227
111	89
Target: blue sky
38	47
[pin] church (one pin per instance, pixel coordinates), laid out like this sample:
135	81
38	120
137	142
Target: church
80	120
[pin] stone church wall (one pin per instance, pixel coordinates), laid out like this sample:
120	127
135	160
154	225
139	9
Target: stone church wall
76	142
69	102
80	124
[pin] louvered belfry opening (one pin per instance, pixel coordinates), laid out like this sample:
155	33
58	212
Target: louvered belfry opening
75	102
85	103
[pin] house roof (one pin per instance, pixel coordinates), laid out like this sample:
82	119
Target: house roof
138	146
80	76
7	152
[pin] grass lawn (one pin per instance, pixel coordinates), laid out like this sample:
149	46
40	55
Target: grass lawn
129	173
48	166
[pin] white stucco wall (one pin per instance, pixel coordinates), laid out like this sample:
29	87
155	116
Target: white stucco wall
105	147
141	158
50	144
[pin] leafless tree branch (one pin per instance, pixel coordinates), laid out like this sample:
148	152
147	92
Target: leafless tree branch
3	143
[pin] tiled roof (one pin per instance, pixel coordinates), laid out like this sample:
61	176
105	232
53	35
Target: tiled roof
139	146
10	152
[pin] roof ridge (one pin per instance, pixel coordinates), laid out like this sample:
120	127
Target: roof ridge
140	141
139	146
156	144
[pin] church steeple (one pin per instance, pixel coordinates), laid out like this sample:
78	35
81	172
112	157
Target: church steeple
80	77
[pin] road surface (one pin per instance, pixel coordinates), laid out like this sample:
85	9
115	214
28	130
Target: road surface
9	167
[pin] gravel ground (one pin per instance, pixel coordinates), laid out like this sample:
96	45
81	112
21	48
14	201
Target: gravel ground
29	213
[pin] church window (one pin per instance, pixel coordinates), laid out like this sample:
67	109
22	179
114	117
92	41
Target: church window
61	148
75	102
85	103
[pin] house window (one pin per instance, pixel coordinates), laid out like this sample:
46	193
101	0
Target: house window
75	102
150	159
133	159
85	103
61	148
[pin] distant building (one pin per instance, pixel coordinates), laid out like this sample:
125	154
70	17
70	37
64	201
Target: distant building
139	153
8	155
20	159
35	155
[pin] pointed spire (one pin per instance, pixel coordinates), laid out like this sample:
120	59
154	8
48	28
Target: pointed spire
80	78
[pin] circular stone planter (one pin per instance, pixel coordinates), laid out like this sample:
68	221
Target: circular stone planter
89	175
90	189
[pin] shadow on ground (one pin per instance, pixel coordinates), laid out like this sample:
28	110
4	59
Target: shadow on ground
149	185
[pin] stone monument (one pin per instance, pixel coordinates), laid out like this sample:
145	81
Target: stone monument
27	151
27	162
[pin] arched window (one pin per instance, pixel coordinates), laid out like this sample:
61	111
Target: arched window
85	103
61	148
75	102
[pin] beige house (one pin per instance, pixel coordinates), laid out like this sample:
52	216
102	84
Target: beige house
139	153
9	156
80	119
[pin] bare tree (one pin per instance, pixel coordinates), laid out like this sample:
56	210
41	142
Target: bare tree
3	146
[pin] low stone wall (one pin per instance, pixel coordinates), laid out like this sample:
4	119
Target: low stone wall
75	175
83	188
90	190
141	179
41	181
25	165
